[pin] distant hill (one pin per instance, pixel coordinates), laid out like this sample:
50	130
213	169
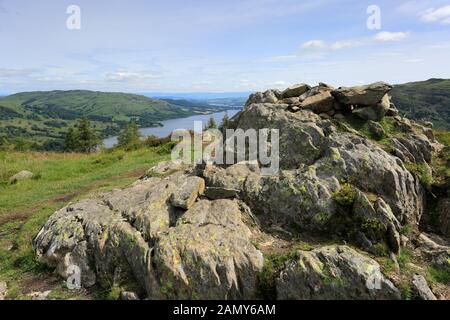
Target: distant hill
425	100
42	118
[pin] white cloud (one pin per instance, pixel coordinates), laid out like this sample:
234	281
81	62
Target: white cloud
280	58
414	60
314	44
344	44
127	76
9	73
440	15
280	83
335	46
386	36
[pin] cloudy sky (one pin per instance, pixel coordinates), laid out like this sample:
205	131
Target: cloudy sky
219	46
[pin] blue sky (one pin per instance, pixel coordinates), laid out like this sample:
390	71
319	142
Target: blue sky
218	46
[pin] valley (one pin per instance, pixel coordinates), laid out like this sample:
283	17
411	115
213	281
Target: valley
40	120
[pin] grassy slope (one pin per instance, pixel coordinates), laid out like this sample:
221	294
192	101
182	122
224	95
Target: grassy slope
426	100
43	116
62	178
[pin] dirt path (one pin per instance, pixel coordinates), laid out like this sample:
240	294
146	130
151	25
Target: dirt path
27	212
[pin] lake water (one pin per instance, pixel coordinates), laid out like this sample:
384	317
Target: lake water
173	124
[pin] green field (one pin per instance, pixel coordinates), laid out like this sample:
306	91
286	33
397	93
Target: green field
60	179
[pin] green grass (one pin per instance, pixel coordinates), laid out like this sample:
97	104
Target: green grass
25	206
439	275
362	127
405	256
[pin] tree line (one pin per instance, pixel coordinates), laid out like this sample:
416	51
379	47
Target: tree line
82	137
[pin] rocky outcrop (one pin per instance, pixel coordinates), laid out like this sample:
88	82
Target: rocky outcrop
346	174
369	102
315	158
202	253
269	96
334	273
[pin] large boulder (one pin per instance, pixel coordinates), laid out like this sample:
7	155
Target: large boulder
421	289
302	138
295	91
202	253
364	95
269	96
208	255
374	112
227	183
319	103
314	157
334	272
22	175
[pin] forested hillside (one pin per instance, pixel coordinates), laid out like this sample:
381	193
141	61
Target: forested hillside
425	100
40	120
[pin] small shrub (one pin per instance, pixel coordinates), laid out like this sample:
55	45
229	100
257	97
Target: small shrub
371	225
387	265
422	172
345	196
405	289
406	229
381	249
273	265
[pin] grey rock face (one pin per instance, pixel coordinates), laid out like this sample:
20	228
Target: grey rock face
365	95
302	140
295	91
314	159
128	296
376	130
421	288
187	193
375	112
269	96
334	272
3	290
166	167
319	103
